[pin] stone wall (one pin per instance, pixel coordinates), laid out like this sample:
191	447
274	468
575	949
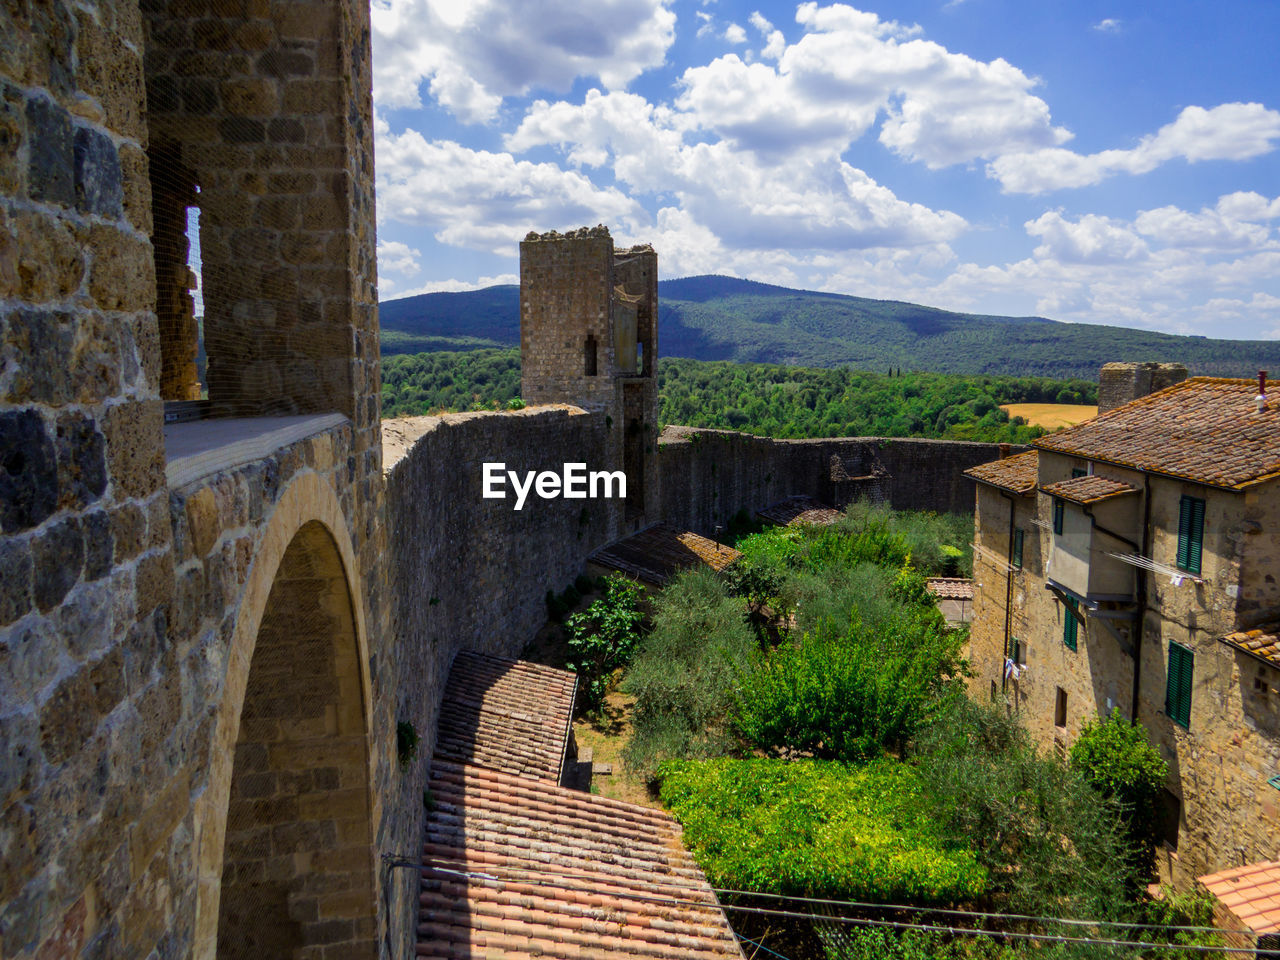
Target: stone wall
709	475
1119	383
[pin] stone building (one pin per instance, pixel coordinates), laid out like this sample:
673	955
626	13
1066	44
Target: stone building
1129	563
589	336
193	677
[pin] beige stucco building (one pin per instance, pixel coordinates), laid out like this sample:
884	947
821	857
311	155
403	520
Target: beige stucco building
1131	563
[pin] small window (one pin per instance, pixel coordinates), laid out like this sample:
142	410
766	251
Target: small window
1070	624
1169	818
1017	548
1059	513
1060	709
1177	698
1079	472
1190	534
1018	653
589	356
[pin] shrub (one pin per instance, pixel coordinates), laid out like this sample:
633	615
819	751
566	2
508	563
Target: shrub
603	637
1050	844
850	692
1118	759
816	828
684	671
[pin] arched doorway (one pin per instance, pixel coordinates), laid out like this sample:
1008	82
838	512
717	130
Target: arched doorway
297	869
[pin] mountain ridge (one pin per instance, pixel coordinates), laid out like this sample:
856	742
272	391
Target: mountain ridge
715	317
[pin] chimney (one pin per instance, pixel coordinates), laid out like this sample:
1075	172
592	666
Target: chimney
1121	383
1004	451
1261	398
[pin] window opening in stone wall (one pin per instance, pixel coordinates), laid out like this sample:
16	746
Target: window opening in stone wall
1060	709
175	240
1169	818
590	356
640	357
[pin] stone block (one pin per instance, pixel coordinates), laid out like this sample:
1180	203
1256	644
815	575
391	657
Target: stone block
99	186
13	134
249	97
282	63
28	471
66	720
128	531
42	345
155	582
242	130
135	455
111	72
99	545
82	465
58	555
19	745
123	273
135	187
49	255
51	160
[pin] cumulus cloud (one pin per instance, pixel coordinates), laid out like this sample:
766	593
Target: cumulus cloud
1230	131
397	257
473	55
1091	239
734	34
485	200
850	67
1109	25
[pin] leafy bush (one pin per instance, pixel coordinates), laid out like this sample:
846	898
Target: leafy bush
1051	845
684	670
817	829
851	691
603	637
1118	759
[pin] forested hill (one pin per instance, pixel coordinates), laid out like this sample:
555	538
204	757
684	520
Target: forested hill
724	318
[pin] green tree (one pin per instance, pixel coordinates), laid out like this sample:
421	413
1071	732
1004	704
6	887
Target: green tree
602	639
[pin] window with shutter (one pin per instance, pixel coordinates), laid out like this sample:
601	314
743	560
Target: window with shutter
1177	700
1070	624
1190	534
1017	548
1059	511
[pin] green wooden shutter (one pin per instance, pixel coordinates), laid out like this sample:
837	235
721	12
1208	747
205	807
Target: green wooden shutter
1177	700
1070	624
1017	548
1059	511
1190	533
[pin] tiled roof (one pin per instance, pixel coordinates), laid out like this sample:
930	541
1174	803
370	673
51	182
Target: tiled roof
659	552
1204	429
1251	892
950	588
520	868
795	511
506	714
1262	642
1088	489
1017	474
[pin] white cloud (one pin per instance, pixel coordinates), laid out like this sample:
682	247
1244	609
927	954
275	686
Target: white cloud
397	257
1091	239
1230	131
473	55
734	34
1109	25
483	200
459	286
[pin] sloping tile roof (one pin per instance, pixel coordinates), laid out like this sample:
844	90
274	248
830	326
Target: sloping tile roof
659	552
1262	642
950	588
520	868
795	511
1251	892
1088	489
1204	429
506	714
1017	474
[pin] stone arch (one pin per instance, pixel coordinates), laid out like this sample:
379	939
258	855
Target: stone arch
319	797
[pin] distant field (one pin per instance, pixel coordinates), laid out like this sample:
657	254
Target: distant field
1051	416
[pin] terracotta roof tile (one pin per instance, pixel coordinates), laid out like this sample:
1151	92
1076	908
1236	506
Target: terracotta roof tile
1251	892
1017	474
1262	642
506	714
659	552
795	511
517	867
1088	489
1204	429
950	588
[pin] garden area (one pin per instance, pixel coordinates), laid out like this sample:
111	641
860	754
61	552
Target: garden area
804	715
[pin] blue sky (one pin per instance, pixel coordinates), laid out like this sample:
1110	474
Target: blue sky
1100	162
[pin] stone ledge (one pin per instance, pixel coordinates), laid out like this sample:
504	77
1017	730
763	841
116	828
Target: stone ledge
200	448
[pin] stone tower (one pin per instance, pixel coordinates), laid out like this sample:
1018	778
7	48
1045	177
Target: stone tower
589	337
